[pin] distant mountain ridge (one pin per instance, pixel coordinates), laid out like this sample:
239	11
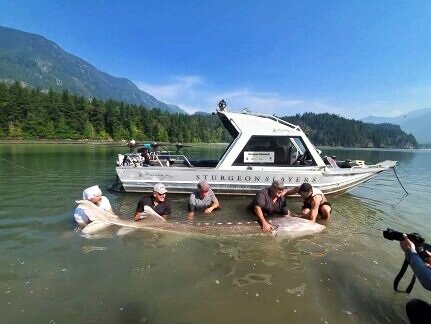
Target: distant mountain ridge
417	122
40	63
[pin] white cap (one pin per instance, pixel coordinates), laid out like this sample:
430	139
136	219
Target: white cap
160	188
91	192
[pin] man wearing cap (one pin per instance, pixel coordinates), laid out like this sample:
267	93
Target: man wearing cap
269	202
315	202
202	199
157	201
93	194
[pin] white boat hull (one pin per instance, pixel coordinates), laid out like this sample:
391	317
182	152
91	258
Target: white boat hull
245	181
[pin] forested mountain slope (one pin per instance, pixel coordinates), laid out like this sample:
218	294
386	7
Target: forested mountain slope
40	63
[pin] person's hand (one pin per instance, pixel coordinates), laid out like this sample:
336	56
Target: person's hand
266	227
208	210
138	216
407	244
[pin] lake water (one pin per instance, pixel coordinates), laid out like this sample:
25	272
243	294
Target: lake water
51	274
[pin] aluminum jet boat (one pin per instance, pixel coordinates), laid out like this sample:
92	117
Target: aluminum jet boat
264	148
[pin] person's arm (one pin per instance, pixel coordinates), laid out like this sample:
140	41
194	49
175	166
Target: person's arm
315	204
419	267
422	272
214	204
288	192
266	227
139	210
191	207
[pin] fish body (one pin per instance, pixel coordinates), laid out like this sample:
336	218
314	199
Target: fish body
287	227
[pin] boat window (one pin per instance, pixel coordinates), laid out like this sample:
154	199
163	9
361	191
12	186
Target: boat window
274	151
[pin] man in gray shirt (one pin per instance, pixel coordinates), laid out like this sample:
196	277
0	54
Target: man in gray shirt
202	199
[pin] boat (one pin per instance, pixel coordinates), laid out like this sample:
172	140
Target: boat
264	148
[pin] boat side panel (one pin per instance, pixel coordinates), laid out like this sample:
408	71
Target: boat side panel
241	182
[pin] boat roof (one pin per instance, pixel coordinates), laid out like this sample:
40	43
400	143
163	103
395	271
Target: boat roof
257	124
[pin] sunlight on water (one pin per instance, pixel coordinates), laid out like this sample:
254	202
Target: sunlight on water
51	274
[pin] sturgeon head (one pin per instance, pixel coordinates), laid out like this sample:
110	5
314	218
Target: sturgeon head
293	227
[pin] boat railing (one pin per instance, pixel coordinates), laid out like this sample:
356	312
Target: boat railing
162	159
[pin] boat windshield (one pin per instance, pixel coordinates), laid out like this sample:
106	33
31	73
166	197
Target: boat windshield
274	151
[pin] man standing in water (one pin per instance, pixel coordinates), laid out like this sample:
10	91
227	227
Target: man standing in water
157	202
202	199
315	202
269	202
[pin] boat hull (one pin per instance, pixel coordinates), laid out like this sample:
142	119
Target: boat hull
246	182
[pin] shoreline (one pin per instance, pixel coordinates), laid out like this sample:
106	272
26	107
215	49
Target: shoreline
124	142
93	142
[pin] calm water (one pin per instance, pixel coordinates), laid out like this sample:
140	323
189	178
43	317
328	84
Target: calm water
51	274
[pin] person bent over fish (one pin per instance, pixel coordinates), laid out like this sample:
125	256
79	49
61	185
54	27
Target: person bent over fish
315	202
270	202
157	201
94	195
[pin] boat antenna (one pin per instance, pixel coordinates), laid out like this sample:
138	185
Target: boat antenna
222	105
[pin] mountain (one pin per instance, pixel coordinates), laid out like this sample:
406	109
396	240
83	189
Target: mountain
40	63
417	122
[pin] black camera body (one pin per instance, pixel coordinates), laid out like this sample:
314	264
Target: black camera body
418	241
421	249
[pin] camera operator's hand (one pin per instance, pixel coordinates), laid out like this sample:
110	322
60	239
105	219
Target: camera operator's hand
407	245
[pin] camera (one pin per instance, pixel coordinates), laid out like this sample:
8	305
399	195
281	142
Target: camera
393	235
421	249
417	240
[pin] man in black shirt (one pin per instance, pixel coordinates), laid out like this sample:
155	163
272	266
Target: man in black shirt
156	201
269	202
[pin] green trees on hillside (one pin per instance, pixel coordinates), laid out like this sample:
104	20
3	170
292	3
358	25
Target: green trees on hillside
332	130
33	114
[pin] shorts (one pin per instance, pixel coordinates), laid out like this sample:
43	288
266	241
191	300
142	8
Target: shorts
308	205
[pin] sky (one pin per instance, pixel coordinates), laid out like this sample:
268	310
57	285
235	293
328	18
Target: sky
353	58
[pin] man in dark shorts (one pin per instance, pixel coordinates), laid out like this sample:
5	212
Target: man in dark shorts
315	202
269	202
157	201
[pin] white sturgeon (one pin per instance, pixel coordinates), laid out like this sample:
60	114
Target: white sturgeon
287	227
